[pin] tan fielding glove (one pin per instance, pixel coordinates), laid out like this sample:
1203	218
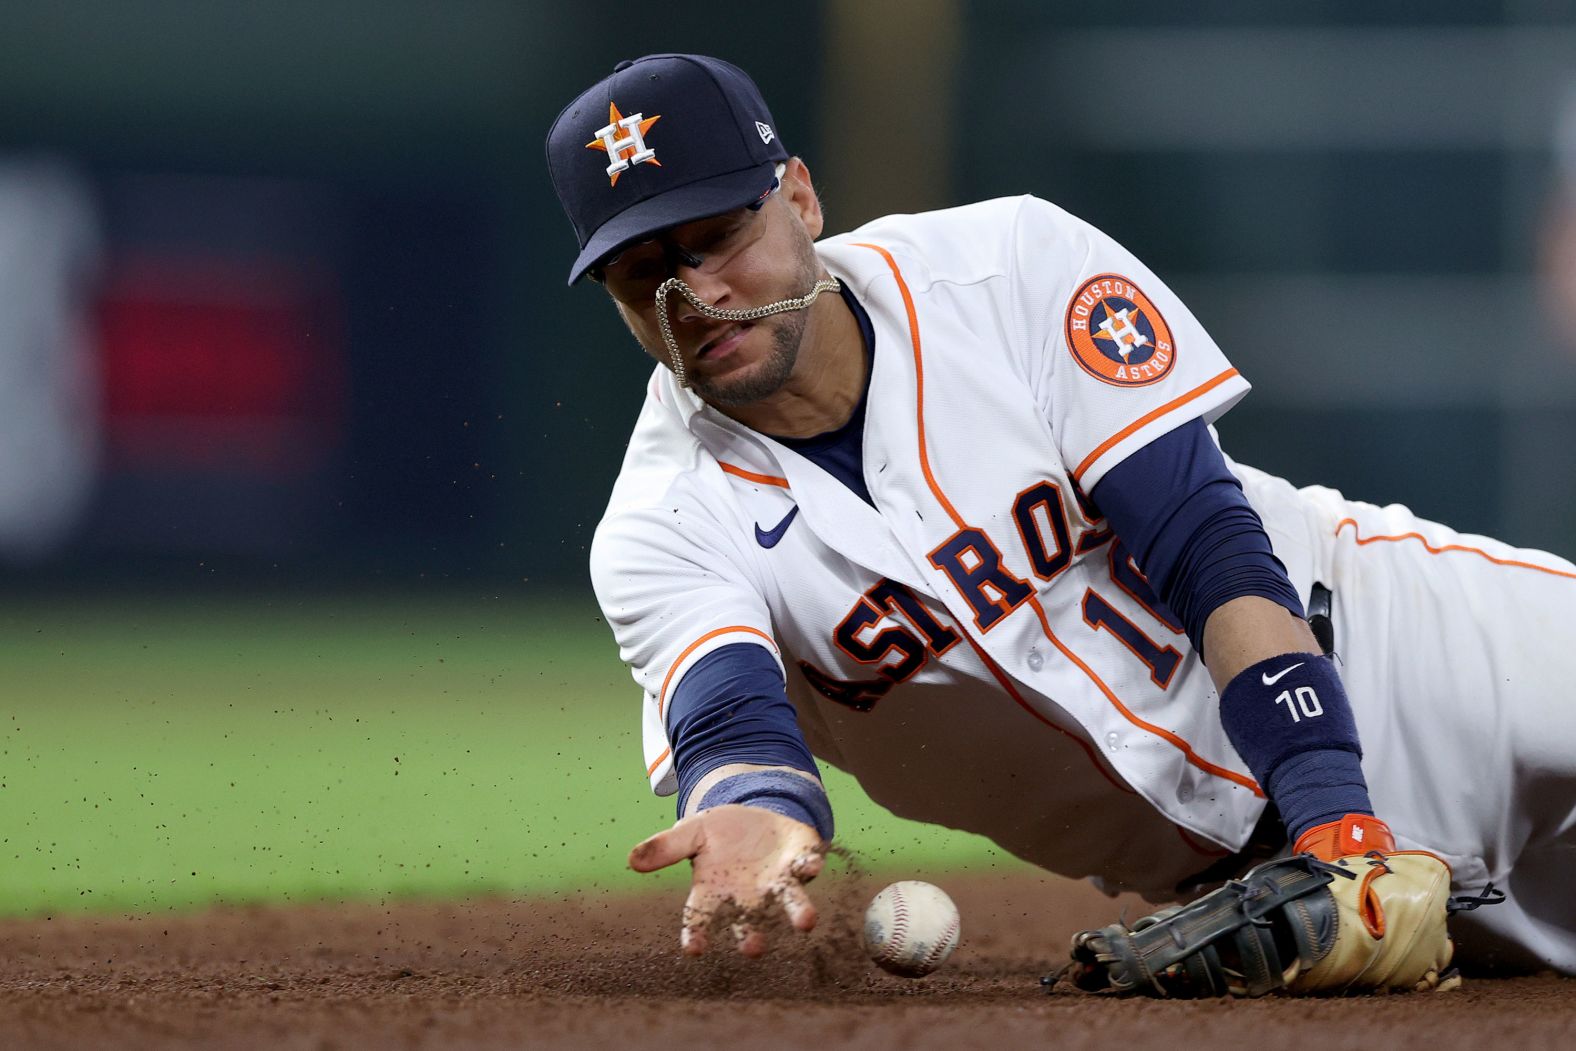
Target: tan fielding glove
1391	919
1347	912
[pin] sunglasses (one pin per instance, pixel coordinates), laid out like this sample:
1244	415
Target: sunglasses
633	274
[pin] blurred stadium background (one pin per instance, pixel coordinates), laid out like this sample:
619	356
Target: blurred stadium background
302	439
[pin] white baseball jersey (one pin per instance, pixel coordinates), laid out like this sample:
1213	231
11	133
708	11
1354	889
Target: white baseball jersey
977	649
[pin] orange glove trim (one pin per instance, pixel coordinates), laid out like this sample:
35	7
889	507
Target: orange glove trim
1352	834
1372	908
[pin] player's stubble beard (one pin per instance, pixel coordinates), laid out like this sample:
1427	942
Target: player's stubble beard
769	375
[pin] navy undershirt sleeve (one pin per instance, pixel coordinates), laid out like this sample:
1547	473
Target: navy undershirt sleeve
732	707
1182	515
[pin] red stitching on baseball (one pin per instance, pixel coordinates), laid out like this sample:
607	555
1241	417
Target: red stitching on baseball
899	927
932	959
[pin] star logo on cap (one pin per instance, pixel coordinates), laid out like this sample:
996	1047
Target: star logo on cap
629	150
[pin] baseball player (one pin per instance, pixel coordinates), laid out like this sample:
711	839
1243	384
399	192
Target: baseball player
937	502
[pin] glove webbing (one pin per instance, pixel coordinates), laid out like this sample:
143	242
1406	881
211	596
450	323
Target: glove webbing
1179	957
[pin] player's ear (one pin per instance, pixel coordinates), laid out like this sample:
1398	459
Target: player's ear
799	193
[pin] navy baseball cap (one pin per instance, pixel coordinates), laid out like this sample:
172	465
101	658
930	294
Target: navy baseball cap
664	140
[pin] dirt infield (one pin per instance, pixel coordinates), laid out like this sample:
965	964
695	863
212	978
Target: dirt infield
602	971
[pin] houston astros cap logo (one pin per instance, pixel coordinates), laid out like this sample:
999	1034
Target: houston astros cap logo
1117	335
630	150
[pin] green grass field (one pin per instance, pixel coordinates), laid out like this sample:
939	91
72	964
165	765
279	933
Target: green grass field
165	754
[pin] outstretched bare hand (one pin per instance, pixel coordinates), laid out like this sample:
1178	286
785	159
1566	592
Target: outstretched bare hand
743	855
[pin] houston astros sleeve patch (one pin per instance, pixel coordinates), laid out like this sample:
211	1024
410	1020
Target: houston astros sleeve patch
1117	335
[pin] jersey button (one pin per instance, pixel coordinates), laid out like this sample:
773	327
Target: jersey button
1111	739
1185	794
1036	662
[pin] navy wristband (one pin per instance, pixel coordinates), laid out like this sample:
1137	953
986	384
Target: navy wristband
1285	705
1314	788
1290	720
787	794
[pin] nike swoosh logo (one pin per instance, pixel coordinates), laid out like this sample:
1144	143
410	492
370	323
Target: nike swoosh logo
769	537
1270	680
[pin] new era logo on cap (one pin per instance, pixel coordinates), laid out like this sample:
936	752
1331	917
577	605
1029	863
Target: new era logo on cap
623	177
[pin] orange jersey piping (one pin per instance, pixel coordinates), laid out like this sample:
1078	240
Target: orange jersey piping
653	767
1432	550
1132	428
763	479
692	647
1006	684
919	381
1159	731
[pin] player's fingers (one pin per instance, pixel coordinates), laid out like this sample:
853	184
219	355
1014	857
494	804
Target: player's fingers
797	904
807	866
699	908
683	840
693	940
750	939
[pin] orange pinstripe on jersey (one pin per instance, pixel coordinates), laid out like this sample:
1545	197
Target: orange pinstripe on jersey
751	476
653	767
919	381
930	479
1132	428
1006	684
1159	731
1432	550
662	697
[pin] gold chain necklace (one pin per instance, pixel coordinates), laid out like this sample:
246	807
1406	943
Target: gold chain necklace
673	284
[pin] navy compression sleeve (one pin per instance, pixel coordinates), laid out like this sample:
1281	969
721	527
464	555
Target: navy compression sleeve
732	707
1181	514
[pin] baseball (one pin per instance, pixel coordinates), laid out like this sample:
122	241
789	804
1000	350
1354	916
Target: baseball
911	928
